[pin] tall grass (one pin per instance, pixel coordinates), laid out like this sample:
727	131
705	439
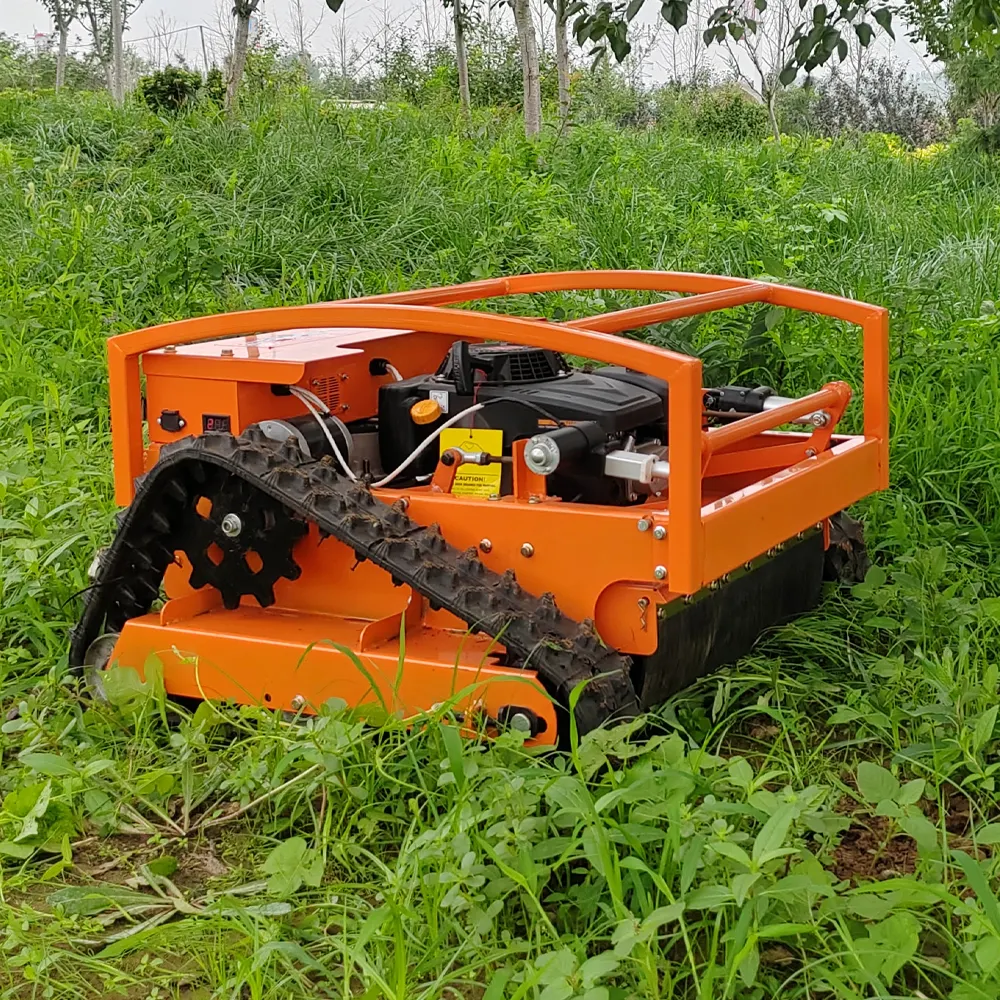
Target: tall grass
817	822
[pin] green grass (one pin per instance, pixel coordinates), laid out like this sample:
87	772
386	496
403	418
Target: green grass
818	822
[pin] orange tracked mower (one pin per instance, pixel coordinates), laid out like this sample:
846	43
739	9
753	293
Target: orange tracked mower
393	503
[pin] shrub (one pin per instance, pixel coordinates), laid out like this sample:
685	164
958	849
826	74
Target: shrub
606	95
884	99
215	86
168	90
728	113
795	109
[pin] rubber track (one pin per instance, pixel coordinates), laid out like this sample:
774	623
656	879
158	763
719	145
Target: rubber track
535	633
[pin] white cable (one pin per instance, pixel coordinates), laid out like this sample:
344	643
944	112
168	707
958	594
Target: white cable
425	443
394	372
307	398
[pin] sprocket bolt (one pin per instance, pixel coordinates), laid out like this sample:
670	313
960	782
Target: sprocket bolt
232	526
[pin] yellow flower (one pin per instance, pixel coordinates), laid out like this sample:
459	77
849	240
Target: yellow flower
929	152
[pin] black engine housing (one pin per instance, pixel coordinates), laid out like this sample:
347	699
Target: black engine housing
531	386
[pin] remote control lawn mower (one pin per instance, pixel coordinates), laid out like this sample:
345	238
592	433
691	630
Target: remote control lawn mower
403	506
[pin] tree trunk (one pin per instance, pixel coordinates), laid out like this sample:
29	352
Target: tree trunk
61	56
529	67
117	29
100	46
239	59
461	56
771	100
562	61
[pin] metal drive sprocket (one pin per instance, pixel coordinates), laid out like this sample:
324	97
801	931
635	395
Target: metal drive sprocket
241	546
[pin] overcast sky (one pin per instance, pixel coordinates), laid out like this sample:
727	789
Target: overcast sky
359	18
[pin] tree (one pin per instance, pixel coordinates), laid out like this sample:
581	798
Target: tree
524	22
764	48
564	10
813	42
105	20
63	14
243	10
460	23
966	38
117	61
303	29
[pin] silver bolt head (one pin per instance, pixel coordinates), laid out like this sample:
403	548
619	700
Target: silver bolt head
659	532
644	524
232	526
660	572
298	703
519	722
527	550
485	545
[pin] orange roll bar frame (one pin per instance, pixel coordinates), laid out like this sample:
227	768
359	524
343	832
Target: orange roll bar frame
592	338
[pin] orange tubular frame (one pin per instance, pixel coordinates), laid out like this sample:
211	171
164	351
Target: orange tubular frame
704	541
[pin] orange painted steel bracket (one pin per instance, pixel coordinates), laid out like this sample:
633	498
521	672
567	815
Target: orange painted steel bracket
688	523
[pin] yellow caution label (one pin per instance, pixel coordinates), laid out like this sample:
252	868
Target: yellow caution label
475	480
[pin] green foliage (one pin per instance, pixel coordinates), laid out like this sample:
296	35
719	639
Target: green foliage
728	114
33	68
215	87
170	89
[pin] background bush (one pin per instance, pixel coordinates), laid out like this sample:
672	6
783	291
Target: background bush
170	89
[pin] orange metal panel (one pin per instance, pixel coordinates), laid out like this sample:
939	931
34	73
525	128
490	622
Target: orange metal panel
625	616
741	526
273	658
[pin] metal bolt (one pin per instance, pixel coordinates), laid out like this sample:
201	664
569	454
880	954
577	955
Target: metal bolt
519	722
810	452
485	544
226	352
527	550
231	526
493	496
715	585
534	498
315	381
298	703
345	407
660	572
170	349
343	376
659	532
748	565
644	524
